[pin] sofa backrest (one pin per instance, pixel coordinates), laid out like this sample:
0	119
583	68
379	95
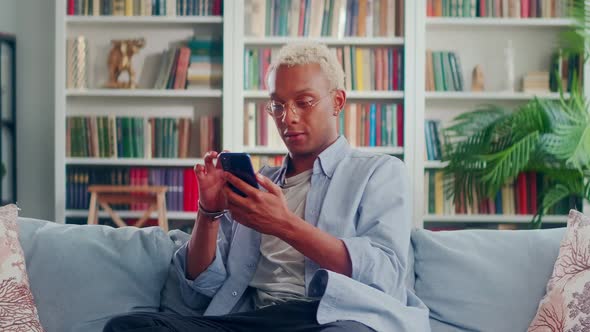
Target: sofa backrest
483	280
81	276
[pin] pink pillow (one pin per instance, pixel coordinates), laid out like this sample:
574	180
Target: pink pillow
566	306
17	307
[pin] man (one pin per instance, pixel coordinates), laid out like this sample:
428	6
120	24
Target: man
323	247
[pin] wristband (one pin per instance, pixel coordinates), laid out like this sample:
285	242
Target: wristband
211	214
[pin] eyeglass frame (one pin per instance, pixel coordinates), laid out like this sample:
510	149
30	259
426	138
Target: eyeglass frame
309	107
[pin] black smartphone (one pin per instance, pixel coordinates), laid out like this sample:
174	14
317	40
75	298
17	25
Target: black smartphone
240	165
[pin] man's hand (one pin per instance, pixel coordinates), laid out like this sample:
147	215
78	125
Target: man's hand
265	212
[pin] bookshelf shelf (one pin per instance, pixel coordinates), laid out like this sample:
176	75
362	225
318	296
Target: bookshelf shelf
175	20
497	22
262	94
357	41
173	215
152	93
434	164
490	96
507	219
134	161
373	149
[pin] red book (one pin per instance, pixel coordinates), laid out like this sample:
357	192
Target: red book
532	184
182	68
378	69
71	5
301	18
217	7
400	124
524	8
367	111
482	8
521	191
266	52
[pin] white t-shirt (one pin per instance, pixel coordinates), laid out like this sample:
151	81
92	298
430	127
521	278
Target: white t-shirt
280	275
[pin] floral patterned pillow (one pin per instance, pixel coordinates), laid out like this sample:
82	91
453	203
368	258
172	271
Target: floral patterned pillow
17	307
566	306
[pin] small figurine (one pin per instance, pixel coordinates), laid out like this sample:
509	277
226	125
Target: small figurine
477	82
119	61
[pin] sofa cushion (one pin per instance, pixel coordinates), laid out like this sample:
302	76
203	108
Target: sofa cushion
483	280
17	305
566	306
81	276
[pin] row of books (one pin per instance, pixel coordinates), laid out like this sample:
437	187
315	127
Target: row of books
315	18
443	71
198	65
567	70
137	137
363	124
145	7
519	197
366	69
182	194
433	140
498	8
372	124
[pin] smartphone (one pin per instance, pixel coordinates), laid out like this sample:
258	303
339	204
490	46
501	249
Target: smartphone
240	165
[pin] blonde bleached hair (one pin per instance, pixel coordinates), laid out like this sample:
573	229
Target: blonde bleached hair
310	53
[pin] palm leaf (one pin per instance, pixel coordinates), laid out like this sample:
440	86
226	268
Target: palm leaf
551	197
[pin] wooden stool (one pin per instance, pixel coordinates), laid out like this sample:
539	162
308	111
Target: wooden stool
155	196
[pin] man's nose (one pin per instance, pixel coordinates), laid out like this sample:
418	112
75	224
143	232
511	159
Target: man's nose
291	114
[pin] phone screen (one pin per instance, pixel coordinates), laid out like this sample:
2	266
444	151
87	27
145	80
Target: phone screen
240	165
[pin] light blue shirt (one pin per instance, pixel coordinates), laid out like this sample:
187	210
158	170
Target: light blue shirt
362	199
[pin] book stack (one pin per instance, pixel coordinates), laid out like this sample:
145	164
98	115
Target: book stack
443	71
536	82
206	64
145	7
182	185
198	65
259	127
519	197
333	18
272	161
365	69
497	8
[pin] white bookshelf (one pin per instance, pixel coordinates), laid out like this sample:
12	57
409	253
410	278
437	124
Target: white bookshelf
441	22
351	95
477	41
174	215
160	33
189	162
356	41
144	93
489	96
174	20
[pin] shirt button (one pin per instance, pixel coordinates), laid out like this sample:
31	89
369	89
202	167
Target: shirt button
234	293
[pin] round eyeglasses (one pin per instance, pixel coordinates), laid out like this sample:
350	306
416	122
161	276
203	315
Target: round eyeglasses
278	110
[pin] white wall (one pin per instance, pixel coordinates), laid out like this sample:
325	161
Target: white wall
8	16
35	33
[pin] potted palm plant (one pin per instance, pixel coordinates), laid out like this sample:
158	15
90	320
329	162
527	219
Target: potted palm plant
488	147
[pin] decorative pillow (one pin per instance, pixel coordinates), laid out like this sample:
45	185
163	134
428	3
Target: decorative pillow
566	307
17	307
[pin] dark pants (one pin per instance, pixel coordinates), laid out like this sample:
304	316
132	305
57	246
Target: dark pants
287	317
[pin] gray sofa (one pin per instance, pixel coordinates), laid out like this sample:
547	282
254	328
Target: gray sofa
473	280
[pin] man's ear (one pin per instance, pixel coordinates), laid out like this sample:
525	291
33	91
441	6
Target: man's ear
339	99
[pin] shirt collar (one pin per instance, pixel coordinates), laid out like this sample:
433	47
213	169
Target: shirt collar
326	161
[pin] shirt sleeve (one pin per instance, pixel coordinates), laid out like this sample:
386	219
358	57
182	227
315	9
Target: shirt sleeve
209	281
379	251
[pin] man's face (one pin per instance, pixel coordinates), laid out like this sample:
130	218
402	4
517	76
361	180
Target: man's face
310	130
